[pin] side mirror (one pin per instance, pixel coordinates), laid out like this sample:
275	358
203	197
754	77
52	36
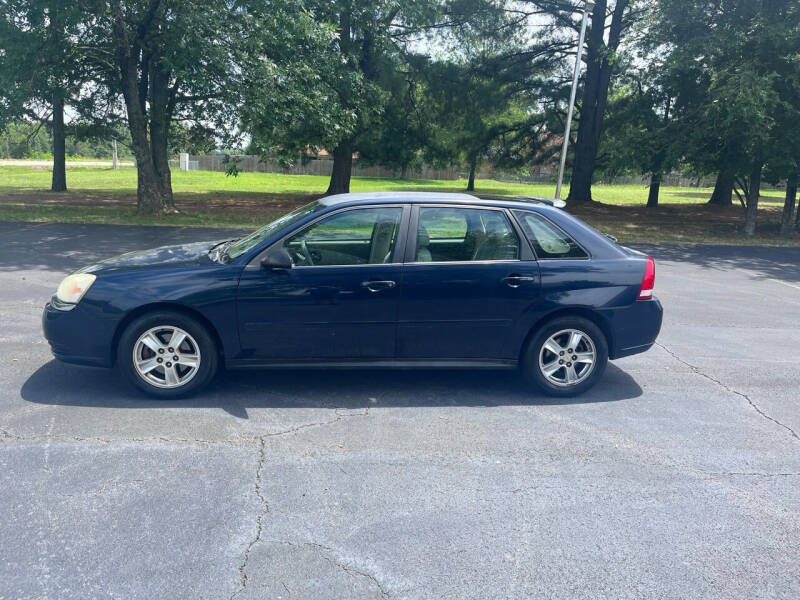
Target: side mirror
277	260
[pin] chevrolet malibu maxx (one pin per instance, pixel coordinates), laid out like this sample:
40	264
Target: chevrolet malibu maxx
412	280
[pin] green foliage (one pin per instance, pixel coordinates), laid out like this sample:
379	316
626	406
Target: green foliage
733	67
641	132
481	94
697	85
25	139
37	56
353	83
194	138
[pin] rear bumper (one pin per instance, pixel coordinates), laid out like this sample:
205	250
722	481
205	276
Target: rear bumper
76	336
634	328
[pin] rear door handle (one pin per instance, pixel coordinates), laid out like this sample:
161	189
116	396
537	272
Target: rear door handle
377	286
515	281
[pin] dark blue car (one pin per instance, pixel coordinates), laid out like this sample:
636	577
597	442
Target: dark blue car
368	280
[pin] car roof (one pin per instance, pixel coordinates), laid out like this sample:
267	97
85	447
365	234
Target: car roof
395	196
431	197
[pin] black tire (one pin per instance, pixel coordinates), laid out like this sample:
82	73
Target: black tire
532	371
209	353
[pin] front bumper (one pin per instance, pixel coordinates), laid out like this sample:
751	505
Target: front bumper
76	336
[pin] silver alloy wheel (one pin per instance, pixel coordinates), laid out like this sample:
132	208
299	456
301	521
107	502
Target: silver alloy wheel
166	356
567	357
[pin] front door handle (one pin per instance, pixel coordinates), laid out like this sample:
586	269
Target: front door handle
515	280
377	286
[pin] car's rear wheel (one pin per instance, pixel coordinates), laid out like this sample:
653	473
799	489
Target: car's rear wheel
167	354
566	357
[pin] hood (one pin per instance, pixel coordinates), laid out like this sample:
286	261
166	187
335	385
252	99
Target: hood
181	255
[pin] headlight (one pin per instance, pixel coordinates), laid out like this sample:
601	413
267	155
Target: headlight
74	286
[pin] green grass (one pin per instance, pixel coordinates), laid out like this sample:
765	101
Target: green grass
119	216
123	181
205	198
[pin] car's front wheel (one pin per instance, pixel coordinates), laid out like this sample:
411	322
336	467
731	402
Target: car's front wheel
167	354
566	357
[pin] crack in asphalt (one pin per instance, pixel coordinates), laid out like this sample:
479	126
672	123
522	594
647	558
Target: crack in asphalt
730	390
339	416
8	435
263	501
328	554
242	441
749	474
259	519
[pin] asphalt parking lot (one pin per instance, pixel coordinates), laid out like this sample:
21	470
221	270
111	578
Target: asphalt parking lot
677	477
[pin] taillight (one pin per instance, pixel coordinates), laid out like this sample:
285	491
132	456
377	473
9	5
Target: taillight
649	280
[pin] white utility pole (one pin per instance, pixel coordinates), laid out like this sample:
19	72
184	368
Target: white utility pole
586	10
114	157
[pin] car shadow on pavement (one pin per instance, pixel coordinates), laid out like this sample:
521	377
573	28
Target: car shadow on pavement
235	391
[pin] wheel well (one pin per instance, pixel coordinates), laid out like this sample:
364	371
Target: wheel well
566	312
148	308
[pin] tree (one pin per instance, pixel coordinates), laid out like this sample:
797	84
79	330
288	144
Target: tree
26	139
398	134
187	62
159	56
40	72
738	55
723	188
784	163
350	86
478	112
641	134
468	109
481	93
600	60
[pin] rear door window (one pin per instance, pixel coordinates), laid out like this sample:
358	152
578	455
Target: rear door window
446	234
548	241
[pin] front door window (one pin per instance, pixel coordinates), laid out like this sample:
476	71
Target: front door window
353	237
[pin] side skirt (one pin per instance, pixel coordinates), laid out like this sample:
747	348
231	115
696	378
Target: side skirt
374	364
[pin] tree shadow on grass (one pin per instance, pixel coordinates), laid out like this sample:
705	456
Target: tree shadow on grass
62	385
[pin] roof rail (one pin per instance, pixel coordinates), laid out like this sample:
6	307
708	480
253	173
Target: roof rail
537	199
542	200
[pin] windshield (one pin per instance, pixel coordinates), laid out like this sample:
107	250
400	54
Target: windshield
241	246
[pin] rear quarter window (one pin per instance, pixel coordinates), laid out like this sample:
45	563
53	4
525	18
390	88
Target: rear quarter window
548	241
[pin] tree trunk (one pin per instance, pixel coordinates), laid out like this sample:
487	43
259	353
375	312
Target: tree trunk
787	221
753	191
163	172
473	163
343	153
159	131
595	96
797	219
723	189
151	195
342	166
59	182
655	186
